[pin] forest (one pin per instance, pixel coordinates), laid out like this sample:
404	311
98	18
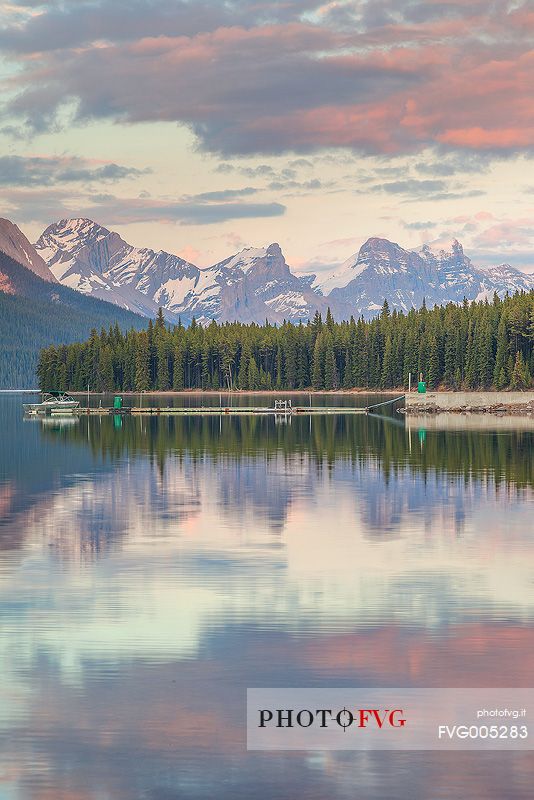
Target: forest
477	345
39	312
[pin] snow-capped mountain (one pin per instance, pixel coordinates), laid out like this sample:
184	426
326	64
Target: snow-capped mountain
15	245
384	270
257	283
98	262
505	278
456	276
254	285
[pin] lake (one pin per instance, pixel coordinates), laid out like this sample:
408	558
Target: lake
153	568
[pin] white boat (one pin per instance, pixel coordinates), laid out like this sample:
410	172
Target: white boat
53	403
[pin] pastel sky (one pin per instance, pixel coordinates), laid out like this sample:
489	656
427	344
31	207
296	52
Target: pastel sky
202	126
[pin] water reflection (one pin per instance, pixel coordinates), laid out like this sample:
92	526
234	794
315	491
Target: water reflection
153	570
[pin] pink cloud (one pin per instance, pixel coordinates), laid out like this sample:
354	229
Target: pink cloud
461	80
480	139
508	233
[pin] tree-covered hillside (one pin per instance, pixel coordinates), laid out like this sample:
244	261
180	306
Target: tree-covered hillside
476	345
40	313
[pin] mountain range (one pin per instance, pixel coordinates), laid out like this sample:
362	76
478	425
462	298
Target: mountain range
255	284
251	286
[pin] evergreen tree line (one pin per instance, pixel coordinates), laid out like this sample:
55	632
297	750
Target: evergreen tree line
41	312
473	346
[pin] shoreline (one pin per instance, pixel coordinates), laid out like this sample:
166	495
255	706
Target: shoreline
245	392
302	392
433	403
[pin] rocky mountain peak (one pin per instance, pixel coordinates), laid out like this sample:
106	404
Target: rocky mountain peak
15	245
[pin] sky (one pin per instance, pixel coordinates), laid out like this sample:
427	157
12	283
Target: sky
203	126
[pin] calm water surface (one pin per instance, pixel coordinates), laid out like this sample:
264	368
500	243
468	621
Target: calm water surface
151	569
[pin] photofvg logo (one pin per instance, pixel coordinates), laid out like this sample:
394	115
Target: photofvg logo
326	717
389	719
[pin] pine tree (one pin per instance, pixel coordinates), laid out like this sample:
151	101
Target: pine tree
178	368
303	360
163	374
434	363
520	375
485	355
290	359
160	320
360	357
375	355
278	369
500	376
471	374
105	378
331	378
152	354
205	361
450	365
348	371
329	320
142	364
386	381
253	374
318	364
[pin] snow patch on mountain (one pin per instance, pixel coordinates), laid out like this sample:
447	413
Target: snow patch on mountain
341	276
246	259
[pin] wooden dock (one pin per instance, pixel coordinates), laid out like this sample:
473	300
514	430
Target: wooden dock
214	410
280	408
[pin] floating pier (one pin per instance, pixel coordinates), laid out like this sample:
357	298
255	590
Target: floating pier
199	411
281	407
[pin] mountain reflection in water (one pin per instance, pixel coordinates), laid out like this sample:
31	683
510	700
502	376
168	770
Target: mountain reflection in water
153	568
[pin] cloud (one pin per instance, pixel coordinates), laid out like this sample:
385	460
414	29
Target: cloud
272	78
492	239
307	186
412	186
122	211
224	168
65	26
262	170
418	226
39	205
42	171
440	163
416	189
42	205
224	194
234	87
508	233
62	25
299	163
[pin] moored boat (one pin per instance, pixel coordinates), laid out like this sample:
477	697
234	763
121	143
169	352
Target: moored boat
53	403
